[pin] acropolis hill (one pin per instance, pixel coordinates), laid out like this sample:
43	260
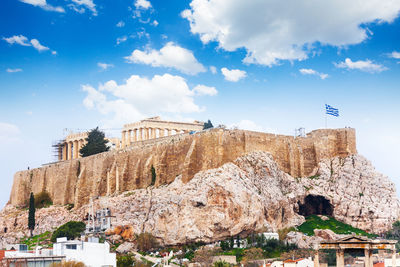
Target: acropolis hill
75	181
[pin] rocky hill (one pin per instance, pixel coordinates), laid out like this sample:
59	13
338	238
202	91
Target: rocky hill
251	193
114	172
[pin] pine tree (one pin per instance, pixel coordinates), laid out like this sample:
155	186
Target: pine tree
95	143
208	125
31	216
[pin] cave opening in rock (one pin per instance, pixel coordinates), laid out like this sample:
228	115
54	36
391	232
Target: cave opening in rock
317	205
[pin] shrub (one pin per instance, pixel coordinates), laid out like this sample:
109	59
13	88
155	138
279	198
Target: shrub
153	175
253	254
221	264
70	230
42	200
146	242
125	260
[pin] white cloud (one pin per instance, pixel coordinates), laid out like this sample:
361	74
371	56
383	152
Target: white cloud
233	75
142	4
170	55
323	76
43	4
155	23
247	125
139	97
363	65
120	24
271	31
79	5
395	55
104	66
205	90
35	43
17	39
121	39
13	70
9	133
213	69
54	52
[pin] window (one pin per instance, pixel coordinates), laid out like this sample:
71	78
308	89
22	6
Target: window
71	246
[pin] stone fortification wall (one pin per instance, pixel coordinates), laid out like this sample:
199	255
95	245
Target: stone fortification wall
113	172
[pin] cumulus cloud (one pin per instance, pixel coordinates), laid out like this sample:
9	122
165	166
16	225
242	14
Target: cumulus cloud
155	23
120	24
205	90
17	39
80	5
121	39
142	4
170	55
35	43
362	65
13	70
233	75
139	97
395	55
22	40
323	76
104	66
271	31
43	4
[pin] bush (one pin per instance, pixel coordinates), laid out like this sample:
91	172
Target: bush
125	260
146	242
253	254
70	230
221	264
42	200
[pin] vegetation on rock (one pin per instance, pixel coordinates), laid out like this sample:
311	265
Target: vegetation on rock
125	260
31	214
42	240
316	222
95	143
394	234
146	242
70	230
42	200
67	264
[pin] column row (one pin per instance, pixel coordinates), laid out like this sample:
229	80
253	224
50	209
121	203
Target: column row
141	134
70	149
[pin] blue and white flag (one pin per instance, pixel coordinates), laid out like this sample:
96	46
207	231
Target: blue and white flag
331	110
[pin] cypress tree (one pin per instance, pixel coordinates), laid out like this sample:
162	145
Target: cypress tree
208	125
31	215
95	143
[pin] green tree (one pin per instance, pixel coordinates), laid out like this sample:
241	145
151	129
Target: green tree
146	242
42	200
208	125
125	260
238	241
70	230
95	143
231	242
153	175
31	215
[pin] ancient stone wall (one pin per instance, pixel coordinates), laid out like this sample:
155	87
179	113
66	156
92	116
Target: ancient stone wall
109	173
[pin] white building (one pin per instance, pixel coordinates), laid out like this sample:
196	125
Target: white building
92	254
268	235
299	263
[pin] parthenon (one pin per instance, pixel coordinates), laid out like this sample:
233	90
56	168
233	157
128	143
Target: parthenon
152	128
146	129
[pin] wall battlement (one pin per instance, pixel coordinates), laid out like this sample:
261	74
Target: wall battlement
113	172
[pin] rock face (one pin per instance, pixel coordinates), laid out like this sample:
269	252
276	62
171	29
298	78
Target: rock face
250	194
109	173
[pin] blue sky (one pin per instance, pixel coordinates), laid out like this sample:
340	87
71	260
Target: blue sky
264	65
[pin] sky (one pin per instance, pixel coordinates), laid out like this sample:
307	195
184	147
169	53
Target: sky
264	65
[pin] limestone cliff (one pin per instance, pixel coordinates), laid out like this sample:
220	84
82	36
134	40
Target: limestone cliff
248	194
111	173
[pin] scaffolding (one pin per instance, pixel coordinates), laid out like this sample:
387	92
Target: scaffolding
57	149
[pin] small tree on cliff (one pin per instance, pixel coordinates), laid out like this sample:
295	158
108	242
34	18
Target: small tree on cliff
31	215
208	125
95	143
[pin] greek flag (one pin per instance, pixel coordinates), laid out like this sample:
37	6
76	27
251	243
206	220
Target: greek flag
331	110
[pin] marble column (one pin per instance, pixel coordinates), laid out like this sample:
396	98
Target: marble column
123	139
367	254
134	138
169	132
161	132
69	151
80	145
64	150
146	134
316	259
76	149
394	259
128	138
340	258
153	133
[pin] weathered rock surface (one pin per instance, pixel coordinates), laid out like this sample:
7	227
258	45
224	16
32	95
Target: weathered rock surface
251	193
105	174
